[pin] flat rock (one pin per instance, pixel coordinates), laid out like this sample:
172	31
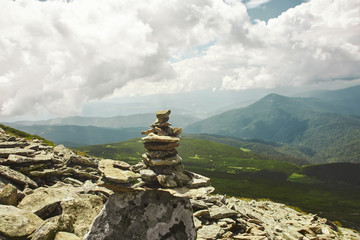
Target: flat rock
209	232
83	209
164	139
66	236
48	229
169	161
198	180
43	201
198	204
5	152
82	161
47	173
12	144
153	146
221	212
146	215
113	174
17	223
161	154
190	192
17	177
16	159
121	165
148	175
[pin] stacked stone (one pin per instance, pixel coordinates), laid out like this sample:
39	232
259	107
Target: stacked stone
164	165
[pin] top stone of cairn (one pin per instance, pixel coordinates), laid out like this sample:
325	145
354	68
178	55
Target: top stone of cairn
163	115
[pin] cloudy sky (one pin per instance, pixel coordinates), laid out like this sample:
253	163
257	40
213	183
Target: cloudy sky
57	55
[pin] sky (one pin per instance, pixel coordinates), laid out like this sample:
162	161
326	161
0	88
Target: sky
56	55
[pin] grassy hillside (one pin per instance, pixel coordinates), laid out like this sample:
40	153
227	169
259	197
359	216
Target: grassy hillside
309	124
17	133
238	172
261	149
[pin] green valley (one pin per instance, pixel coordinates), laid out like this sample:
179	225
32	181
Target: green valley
245	174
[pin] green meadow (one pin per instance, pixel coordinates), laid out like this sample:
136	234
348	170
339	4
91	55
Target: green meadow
240	173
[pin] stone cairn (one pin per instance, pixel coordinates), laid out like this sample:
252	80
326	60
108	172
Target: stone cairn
163	164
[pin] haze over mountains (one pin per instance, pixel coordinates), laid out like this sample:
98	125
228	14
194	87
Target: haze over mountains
320	128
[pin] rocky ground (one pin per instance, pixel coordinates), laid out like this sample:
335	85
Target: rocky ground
54	193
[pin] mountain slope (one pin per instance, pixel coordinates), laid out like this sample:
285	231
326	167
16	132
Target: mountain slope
306	122
71	136
347	97
136	120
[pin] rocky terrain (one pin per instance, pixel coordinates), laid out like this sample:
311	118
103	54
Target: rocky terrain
51	192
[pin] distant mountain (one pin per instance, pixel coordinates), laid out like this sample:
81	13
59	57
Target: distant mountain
72	136
309	123
347	97
136	120
261	148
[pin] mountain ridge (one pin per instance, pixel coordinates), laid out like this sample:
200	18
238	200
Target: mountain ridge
305	122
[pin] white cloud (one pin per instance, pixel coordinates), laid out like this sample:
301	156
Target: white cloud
54	55
315	42
256	3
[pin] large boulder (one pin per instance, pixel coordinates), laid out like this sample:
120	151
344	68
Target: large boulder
17	223
9	195
16	177
144	215
83	209
48	229
44	201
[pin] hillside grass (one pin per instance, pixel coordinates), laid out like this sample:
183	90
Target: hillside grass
20	134
241	173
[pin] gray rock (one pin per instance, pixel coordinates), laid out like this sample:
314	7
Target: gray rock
137	167
163	139
44	201
190	192
221	212
168	161
9	195
12	144
73	181
198	204
167	181
17	223
163	114
156	146
144	215
17	177
82	161
5	152
161	154
47	230
148	175
66	236
198	180
113	174
209	232
83	209
122	165
16	159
